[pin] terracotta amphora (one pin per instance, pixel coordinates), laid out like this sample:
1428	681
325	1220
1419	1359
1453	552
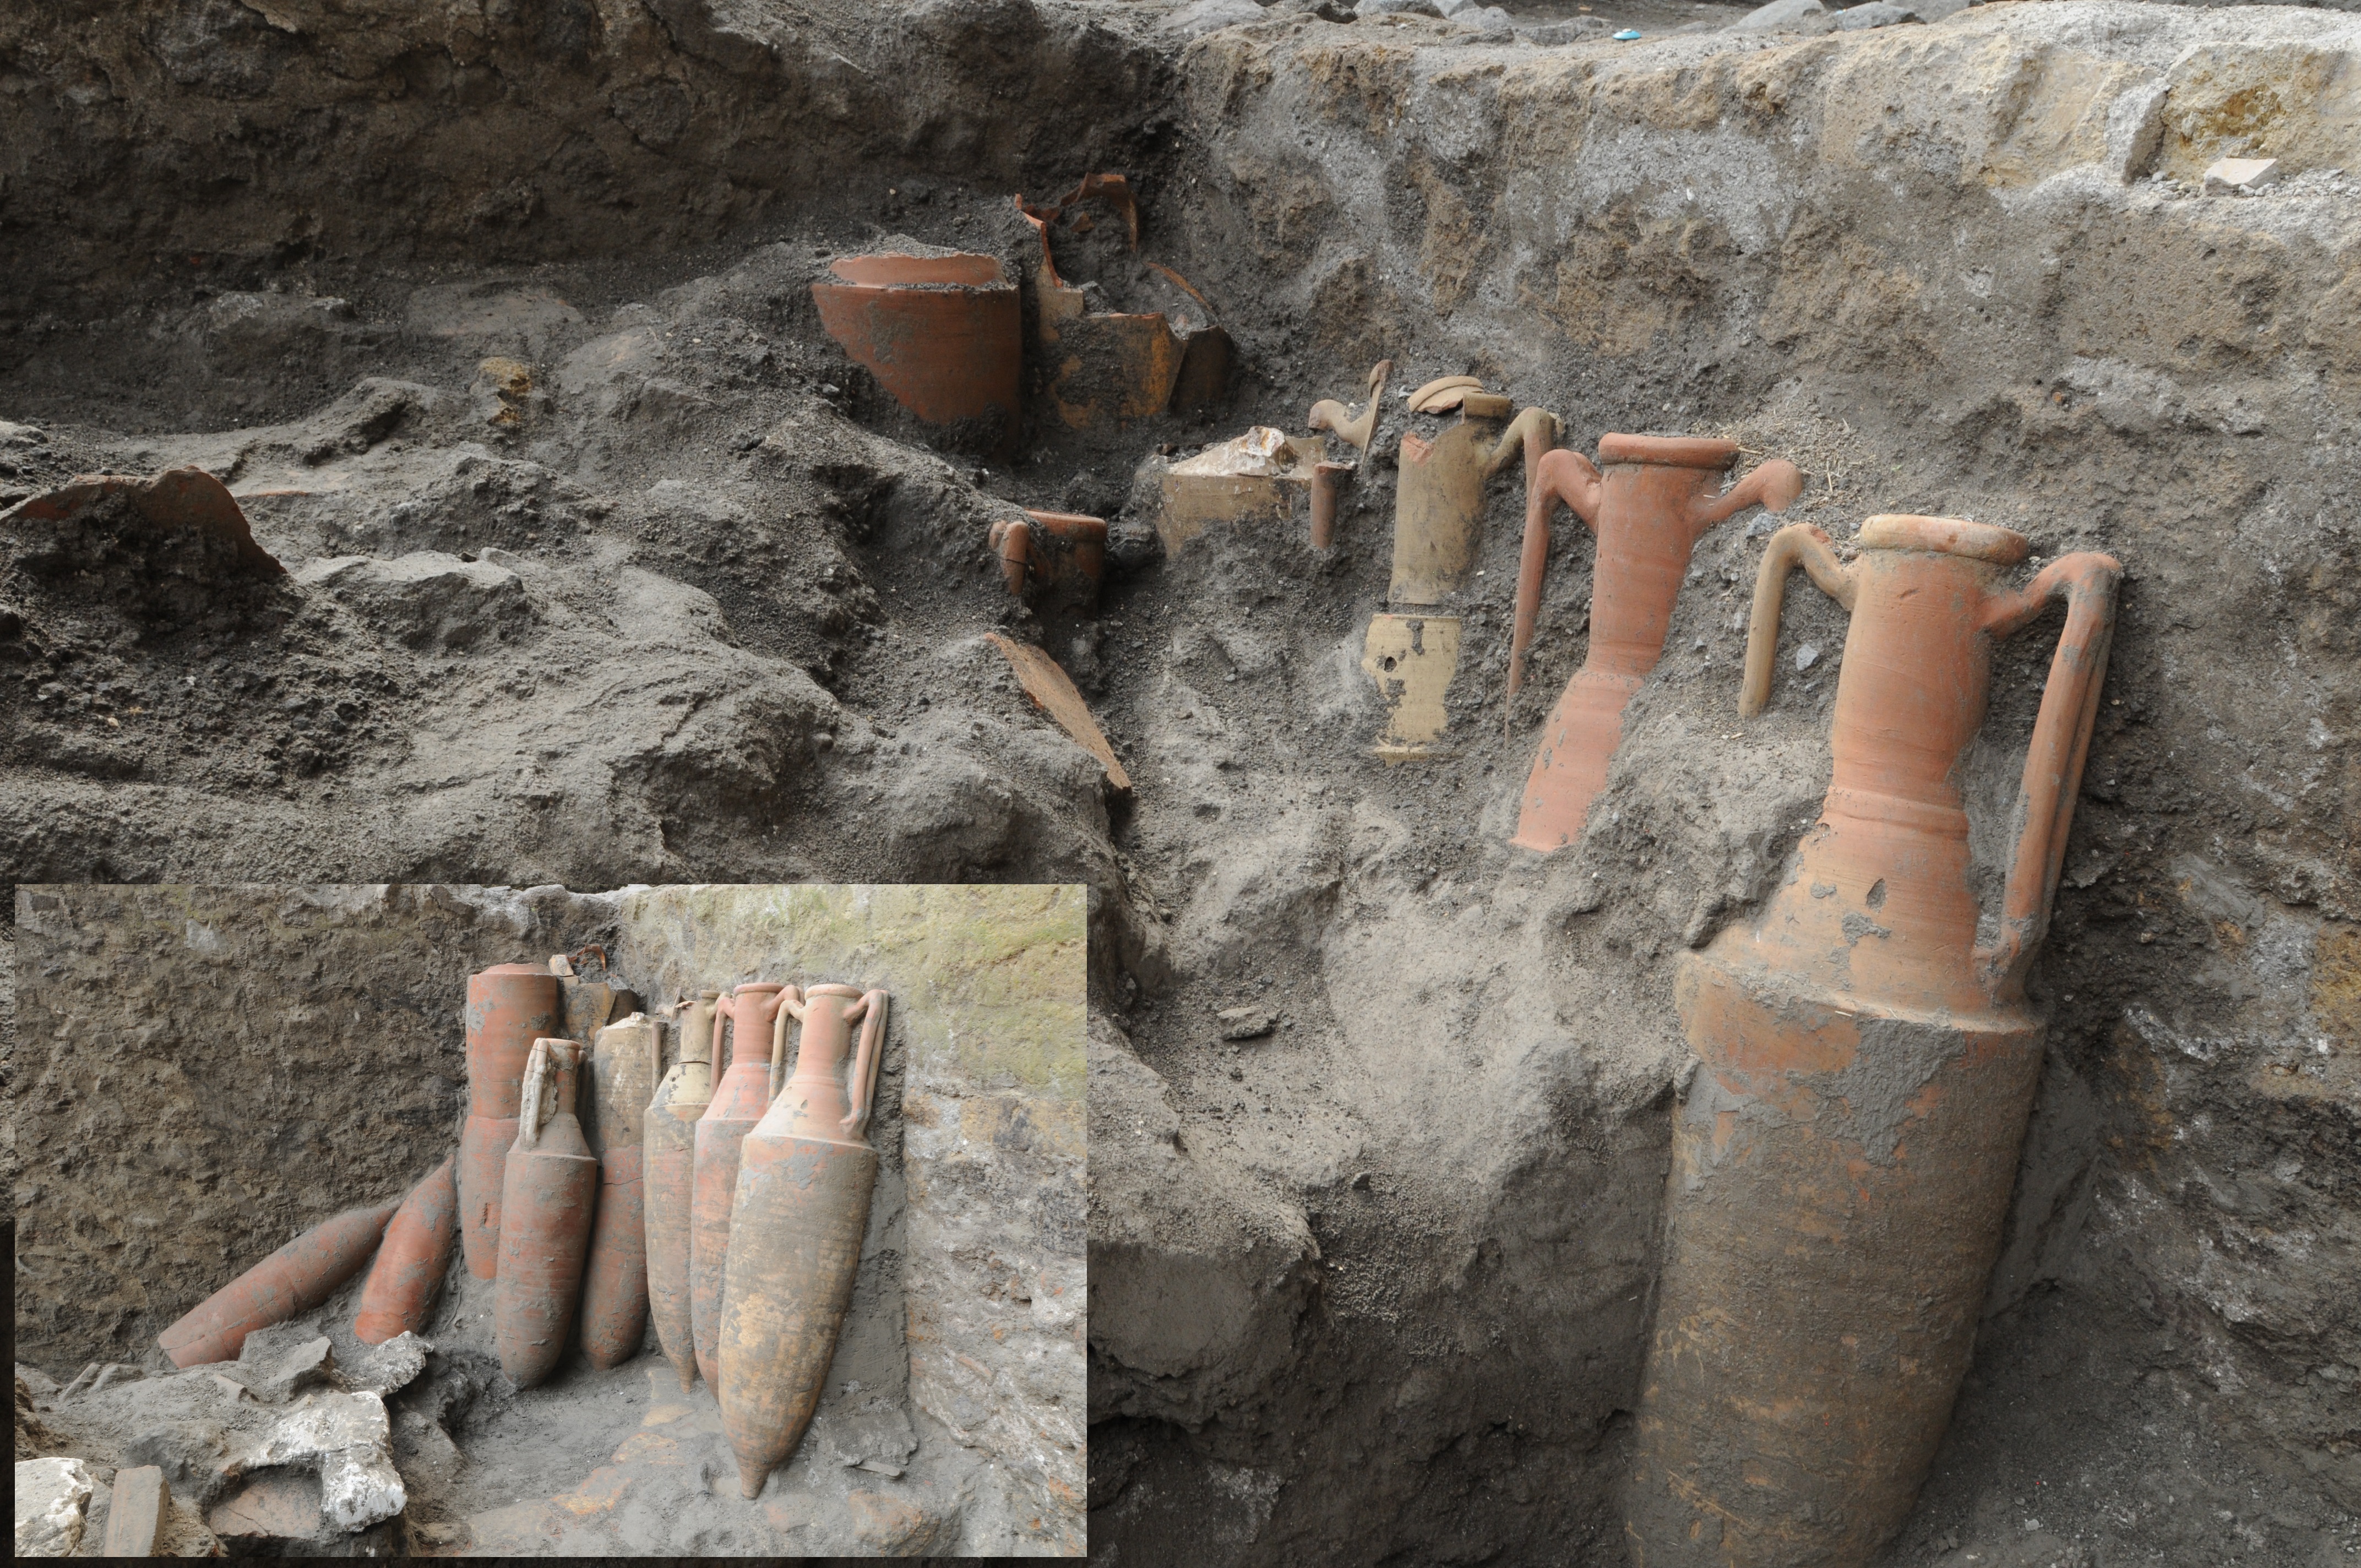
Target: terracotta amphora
1439	499
943	333
1844	1157
739	1101
546	1209
1650	500
508	1007
296	1278
668	1178
399	1296
624	1062
796	1218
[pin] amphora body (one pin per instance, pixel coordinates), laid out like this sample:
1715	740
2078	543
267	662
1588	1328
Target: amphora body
398	1295
799	1214
545	1207
1844	1158
668	1179
1650	500
296	1278
624	1066
738	1104
508	1007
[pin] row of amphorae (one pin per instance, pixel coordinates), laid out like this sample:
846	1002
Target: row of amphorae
598	1189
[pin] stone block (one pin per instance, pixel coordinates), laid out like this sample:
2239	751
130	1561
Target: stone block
2240	175
52	1503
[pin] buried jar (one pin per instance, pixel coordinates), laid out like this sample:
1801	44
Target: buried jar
1844	1157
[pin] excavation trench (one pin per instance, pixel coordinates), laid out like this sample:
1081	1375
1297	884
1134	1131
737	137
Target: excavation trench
608	565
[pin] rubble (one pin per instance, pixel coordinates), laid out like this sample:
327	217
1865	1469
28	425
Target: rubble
347	1439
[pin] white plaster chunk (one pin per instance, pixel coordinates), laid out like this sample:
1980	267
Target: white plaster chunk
393	1365
52	1502
348	1438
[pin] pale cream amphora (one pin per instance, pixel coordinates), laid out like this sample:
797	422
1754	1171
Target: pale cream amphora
1844	1156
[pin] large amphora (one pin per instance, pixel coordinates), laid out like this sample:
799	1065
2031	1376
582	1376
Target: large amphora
668	1178
1843	1158
739	1101
508	1007
550	1193
799	1211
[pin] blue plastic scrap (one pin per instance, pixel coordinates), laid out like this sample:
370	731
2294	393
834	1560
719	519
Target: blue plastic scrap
1627	35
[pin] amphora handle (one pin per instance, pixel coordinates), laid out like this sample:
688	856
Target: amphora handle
791	1005
2059	748
1798	544
862	1080
548	1088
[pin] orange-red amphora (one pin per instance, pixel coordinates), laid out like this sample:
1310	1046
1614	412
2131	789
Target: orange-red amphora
1844	1157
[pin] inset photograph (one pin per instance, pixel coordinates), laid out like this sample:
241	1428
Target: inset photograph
457	1220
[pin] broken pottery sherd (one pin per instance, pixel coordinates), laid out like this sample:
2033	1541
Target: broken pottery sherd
739	1101
942	333
1115	367
798	1216
1057	557
1849	1146
668	1178
1355	430
1253	477
1412	659
137	1513
177	503
1052	691
1648	500
549	1185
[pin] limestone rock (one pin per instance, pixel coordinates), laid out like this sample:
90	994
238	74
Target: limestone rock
426	599
1785	17
1876	13
308	1364
393	1365
1244	1023
52	1502
349	1438
1398	8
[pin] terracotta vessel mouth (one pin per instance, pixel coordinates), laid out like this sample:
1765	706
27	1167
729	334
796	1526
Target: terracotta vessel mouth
959	270
1947	535
1669	451
832	988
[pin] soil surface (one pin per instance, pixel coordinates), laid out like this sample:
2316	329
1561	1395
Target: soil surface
698	601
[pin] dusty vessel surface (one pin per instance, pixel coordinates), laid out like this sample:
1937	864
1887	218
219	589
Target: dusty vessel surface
411	1259
796	1218
546	1204
508	1007
942	333
739	1100
625	1062
1649	499
1845	1155
296	1278
669	1166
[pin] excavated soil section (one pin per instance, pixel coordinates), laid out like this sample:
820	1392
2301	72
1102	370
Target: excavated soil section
695	602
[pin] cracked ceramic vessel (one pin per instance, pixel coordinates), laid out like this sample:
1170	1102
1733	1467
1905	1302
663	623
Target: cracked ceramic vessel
943	333
508	1007
798	1216
551	1184
296	1278
668	1174
398	1295
1650	500
1439	499
1057	557
1843	1158
738	1104
624	1066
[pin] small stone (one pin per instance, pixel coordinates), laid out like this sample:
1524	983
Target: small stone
52	1502
1876	13
308	1363
393	1365
1244	1023
2241	176
1787	16
1807	656
1398	8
